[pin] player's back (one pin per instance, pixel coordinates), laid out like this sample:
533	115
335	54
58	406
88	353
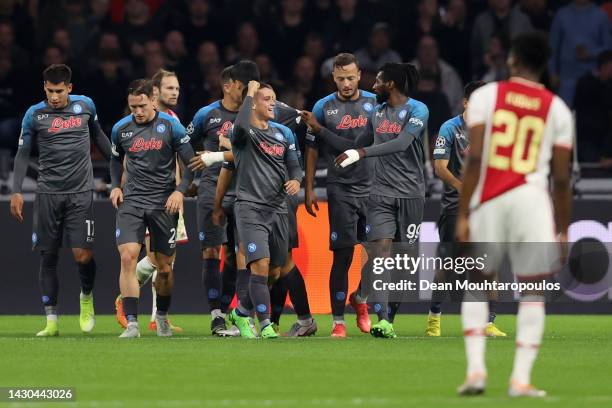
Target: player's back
523	122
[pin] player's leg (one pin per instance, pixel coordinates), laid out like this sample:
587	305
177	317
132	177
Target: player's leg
492	329
278	298
47	238
130	231
446	232
305	325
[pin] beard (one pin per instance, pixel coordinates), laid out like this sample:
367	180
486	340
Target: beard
382	97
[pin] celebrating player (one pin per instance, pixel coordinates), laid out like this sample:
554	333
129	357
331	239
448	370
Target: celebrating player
267	169
150	140
516	128
61	127
451	147
397	197
337	121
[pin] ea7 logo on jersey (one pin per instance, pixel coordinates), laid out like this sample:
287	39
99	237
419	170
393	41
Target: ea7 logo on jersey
214	120
43	116
125	135
332	112
416	121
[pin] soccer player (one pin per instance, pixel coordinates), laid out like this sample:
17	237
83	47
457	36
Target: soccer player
61	128
166	89
267	168
397	196
208	125
517	128
150	140
451	147
336	122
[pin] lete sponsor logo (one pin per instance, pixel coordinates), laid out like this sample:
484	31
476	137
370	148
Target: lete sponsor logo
59	124
272	150
387	126
347	122
139	145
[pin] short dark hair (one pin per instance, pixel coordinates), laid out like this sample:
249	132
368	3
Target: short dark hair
604	58
160	75
471	87
405	76
141	87
226	74
262	85
343	59
531	50
57	73
245	71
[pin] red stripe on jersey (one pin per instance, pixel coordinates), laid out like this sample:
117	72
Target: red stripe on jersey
520	112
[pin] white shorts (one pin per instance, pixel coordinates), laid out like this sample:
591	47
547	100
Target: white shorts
181	231
519	224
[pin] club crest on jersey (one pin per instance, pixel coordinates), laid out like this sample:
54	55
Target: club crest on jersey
225	128
139	145
389	127
278	136
368	107
77	108
347	122
276	150
402	114
161	128
59	124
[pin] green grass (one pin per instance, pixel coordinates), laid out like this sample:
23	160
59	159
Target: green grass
196	370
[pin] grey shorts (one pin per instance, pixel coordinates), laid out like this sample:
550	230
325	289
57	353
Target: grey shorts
394	218
133	221
263	233
63	220
209	234
231	232
347	219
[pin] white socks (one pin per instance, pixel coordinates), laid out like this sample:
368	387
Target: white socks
529	332
144	270
474	317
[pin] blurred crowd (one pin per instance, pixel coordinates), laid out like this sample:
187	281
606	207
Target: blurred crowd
110	42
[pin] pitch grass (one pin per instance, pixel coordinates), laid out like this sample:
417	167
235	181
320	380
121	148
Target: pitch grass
196	370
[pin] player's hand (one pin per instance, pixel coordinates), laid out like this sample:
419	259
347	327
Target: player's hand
17	206
562	238
225	142
349	157
311	121
174	203
462	231
292	187
116	197
218	216
192	191
253	87
310	201
196	162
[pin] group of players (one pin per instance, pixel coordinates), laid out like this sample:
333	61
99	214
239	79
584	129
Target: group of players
248	170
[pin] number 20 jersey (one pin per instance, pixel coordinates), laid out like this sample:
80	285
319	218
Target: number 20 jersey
523	122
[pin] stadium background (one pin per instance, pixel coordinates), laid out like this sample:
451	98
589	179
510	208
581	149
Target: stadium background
109	42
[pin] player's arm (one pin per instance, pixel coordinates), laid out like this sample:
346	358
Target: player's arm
20	167
292	161
242	124
116	169
471	175
441	156
97	134
312	155
407	135
223	183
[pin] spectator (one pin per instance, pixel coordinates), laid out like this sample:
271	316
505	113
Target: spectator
194	74
495	60
8	48
427	23
154	59
318	13
450	84
378	51
346	30
287	35
500	18
100	14
540	15
454	33
430	93
137	28
580	31
268	73
53	54
206	91
175	50
593	103
303	81
314	47
77	27
11	104
200	27
247	44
